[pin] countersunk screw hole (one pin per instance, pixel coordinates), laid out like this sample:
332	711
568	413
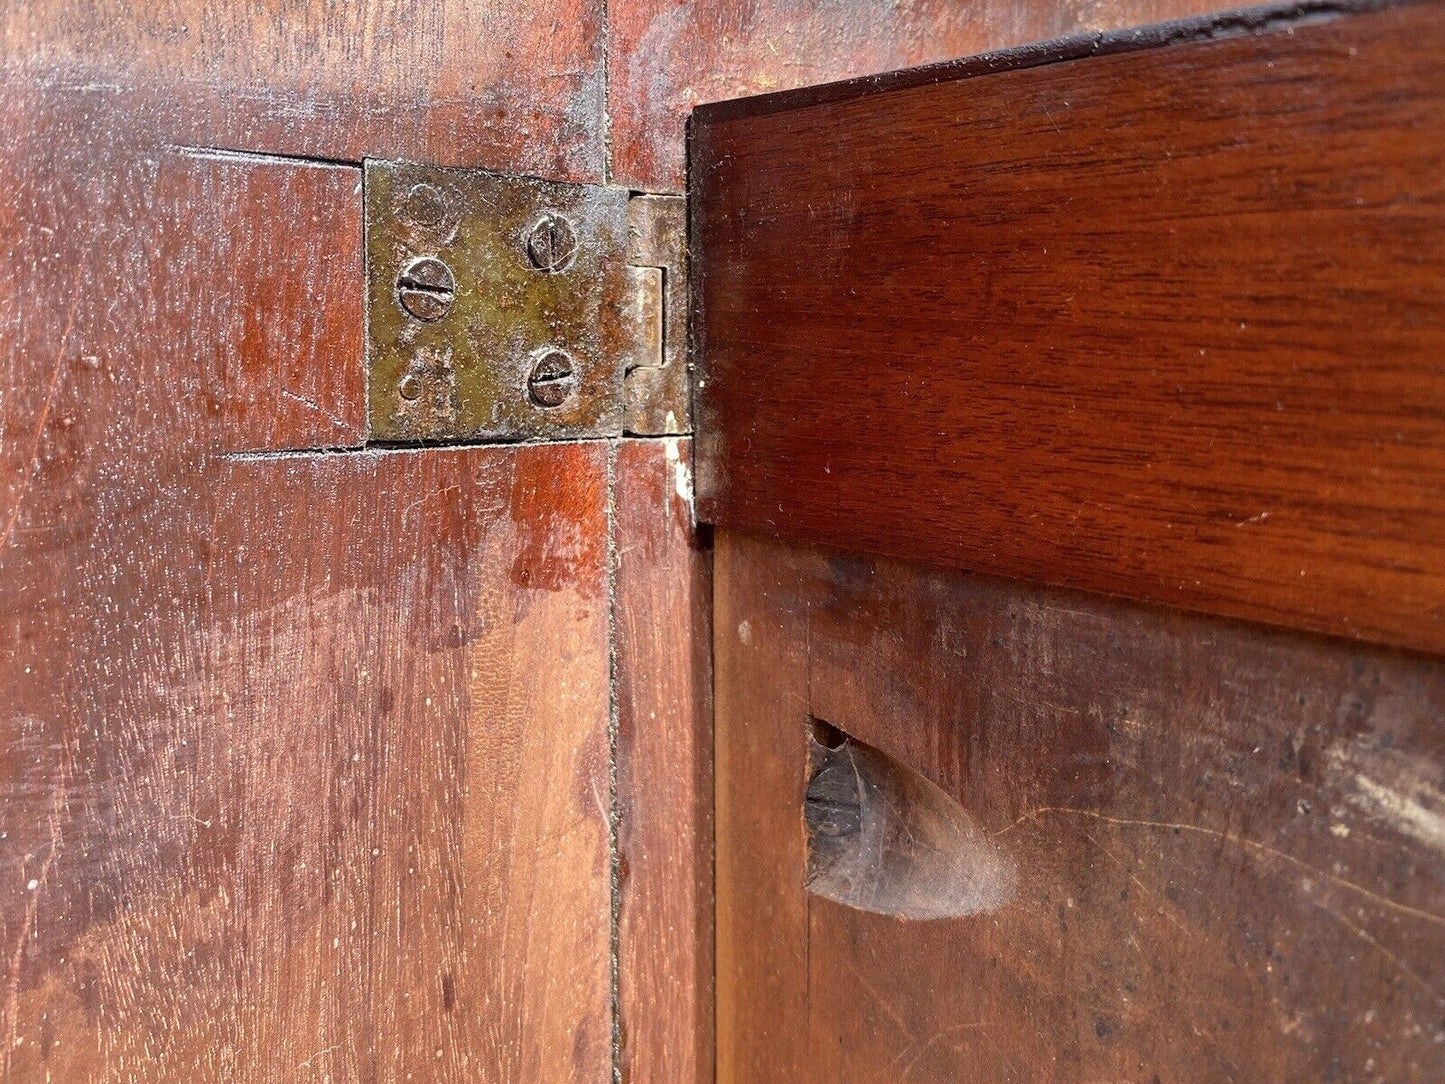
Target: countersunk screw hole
826	734
424	205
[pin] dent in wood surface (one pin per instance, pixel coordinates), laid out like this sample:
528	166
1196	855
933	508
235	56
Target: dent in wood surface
1225	837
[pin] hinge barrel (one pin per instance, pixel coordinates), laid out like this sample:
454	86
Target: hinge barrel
656	390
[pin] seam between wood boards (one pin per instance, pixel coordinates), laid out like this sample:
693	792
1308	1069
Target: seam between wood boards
254	157
614	894
606	92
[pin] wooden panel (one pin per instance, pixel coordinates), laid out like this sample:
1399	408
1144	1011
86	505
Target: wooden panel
759	694
1220	845
514	86
434	812
664	770
667	56
1165	323
281	790
275	357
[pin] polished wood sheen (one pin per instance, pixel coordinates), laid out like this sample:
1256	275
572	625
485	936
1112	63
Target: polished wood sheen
1158	314
1195	850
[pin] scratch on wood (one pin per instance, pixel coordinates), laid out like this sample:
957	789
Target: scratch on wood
1365	936
36	888
1252	845
30	463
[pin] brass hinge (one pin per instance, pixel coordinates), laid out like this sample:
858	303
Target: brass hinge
657	388
504	308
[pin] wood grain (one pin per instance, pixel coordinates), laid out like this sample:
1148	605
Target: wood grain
514	86
1222	841
303	756
667	56
1165	323
664	769
283	343
760	658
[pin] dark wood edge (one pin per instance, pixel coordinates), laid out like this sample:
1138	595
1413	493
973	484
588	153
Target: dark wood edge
1225	24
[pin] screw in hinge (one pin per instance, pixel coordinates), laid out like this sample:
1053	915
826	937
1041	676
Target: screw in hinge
552	243
553	379
426	288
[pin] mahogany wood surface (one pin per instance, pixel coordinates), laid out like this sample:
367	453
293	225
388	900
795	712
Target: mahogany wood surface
666	56
304	755
664	769
569	89
1206	851
515	86
760	706
1167	323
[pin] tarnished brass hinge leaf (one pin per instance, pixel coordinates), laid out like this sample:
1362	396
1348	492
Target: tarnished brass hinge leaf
503	308
494	305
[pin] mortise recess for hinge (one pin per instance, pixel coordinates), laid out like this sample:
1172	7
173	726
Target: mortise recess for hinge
505	308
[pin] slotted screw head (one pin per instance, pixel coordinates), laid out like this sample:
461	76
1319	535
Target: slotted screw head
426	288
553	379
552	244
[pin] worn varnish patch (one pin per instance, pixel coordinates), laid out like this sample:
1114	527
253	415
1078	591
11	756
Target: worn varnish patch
1224	837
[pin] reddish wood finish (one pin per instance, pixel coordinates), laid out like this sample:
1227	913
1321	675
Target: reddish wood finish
760	658
1221	843
664	769
515	86
667	56
1167	323
303	758
283	354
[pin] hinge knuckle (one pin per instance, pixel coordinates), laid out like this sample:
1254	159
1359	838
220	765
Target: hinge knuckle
656	392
